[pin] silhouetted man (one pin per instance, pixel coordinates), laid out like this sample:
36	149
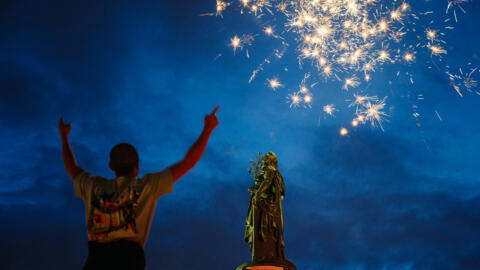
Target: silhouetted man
119	212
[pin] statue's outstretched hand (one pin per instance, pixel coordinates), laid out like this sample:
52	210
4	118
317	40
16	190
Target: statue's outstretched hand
211	120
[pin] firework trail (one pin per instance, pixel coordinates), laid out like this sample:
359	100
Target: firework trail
454	4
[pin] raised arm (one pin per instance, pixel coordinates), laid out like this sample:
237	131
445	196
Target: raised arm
68	158
195	152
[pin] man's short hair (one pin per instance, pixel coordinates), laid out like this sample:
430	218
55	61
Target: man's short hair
123	158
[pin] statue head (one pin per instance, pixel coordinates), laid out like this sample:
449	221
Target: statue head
270	159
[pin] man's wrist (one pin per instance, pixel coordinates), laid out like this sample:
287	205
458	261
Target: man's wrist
64	137
208	130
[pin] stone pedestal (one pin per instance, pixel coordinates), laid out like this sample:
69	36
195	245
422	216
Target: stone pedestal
280	265
265	267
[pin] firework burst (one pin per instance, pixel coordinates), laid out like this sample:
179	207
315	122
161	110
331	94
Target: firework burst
351	82
329	109
344	40
221	6
373	112
274	83
294	99
463	80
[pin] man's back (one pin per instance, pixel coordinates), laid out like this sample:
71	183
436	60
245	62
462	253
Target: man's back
121	208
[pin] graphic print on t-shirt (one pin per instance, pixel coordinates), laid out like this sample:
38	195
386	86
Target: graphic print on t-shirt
112	212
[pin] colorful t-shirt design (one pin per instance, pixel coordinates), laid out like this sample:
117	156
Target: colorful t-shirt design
112	212
121	208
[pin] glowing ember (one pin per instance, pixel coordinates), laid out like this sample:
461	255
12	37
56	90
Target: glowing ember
329	109
269	31
274	83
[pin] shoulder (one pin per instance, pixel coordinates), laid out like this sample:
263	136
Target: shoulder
158	183
86	176
85	181
163	174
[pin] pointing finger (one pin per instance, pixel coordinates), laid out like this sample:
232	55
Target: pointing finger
216	109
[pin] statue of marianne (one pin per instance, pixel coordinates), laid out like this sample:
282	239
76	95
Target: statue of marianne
264	225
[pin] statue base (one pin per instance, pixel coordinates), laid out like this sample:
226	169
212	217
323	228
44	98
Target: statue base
264	267
277	265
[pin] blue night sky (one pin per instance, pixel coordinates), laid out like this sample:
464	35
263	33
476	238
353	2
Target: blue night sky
144	72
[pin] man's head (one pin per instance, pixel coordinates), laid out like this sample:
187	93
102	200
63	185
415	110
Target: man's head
124	160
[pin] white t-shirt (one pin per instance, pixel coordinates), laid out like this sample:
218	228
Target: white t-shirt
122	207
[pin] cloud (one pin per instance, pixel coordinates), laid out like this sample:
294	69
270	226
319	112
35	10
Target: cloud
380	230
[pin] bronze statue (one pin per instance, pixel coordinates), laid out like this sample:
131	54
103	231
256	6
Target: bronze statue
264	225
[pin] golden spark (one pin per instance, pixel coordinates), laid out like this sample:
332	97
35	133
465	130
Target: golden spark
269	30
274	83
307	99
235	42
221	6
329	109
294	99
437	50
351	82
408	57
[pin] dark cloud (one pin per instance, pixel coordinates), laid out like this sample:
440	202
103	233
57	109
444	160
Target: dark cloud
378	231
